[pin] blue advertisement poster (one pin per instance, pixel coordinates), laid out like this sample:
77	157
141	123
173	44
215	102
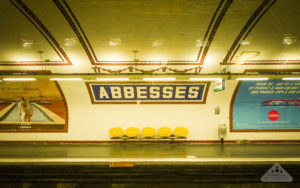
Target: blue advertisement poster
266	105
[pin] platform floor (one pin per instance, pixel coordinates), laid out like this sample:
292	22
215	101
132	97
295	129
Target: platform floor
146	164
148	152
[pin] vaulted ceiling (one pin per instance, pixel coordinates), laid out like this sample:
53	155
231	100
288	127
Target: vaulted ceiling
149	36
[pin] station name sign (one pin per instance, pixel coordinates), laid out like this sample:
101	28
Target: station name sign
147	93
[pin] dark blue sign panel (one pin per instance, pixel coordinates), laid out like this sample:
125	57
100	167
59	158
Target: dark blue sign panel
267	105
147	93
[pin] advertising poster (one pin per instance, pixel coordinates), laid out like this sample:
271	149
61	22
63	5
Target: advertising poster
32	106
272	105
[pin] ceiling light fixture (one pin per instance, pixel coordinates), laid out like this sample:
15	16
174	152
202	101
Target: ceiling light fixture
135	52
205	79
65	79
290	78
159	79
244	42
252	79
112	79
199	43
114	41
19	79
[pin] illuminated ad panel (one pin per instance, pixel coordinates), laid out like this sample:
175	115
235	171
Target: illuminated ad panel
272	105
32	106
148	93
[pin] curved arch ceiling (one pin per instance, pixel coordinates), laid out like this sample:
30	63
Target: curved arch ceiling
169	33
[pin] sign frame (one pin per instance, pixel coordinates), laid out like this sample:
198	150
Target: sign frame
203	101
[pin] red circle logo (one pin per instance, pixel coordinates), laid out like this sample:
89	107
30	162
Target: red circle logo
273	115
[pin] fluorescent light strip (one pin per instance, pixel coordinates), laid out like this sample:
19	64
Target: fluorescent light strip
65	79
19	79
112	79
252	79
159	79
290	78
205	79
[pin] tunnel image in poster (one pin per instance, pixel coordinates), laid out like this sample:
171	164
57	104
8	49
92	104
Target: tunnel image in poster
32	106
272	105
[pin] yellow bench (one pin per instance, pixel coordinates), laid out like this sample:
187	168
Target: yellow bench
132	132
164	132
181	132
148	132
116	132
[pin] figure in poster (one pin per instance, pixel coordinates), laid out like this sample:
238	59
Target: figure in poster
25	110
37	106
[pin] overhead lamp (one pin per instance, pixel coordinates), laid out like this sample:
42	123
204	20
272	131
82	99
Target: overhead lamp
290	78
252	79
65	79
112	79
205	79
159	79
19	79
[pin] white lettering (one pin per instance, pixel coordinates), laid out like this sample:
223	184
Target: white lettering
25	126
193	92
141	92
180	92
116	92
103	93
128	92
154	92
167	92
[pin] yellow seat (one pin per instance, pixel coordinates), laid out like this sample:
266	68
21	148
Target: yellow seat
181	132
116	132
132	132
164	132
148	132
